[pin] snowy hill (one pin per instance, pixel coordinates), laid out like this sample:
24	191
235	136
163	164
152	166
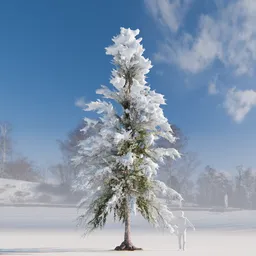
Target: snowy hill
14	191
24	192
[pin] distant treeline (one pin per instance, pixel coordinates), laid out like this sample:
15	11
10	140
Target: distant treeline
206	189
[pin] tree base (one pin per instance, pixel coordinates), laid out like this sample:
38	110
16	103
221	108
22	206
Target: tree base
127	247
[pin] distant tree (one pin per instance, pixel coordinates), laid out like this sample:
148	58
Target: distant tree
178	174
62	173
69	146
118	165
181	142
22	169
167	168
65	172
5	146
183	171
212	186
245	187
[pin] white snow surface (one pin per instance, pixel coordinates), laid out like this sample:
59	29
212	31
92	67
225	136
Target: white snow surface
51	232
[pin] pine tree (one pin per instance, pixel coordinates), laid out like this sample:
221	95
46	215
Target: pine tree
118	166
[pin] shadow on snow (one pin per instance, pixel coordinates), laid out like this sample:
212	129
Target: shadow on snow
27	251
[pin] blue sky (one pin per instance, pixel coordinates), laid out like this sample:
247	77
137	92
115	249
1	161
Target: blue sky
203	52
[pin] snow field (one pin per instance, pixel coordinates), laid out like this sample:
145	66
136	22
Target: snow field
51	232
51	243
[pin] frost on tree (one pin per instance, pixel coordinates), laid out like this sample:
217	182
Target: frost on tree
118	166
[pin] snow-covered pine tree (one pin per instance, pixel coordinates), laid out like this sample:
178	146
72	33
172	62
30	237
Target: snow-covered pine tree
118	166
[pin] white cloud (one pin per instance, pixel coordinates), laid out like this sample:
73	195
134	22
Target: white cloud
229	36
238	103
169	13
212	89
80	102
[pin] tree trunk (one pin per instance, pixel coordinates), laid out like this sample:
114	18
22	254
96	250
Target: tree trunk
127	231
127	245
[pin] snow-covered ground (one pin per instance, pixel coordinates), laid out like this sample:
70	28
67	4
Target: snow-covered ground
24	192
51	232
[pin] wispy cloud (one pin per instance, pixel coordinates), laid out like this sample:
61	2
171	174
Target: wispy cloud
226	35
238	103
80	102
212	89
212	86
169	13
229	36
